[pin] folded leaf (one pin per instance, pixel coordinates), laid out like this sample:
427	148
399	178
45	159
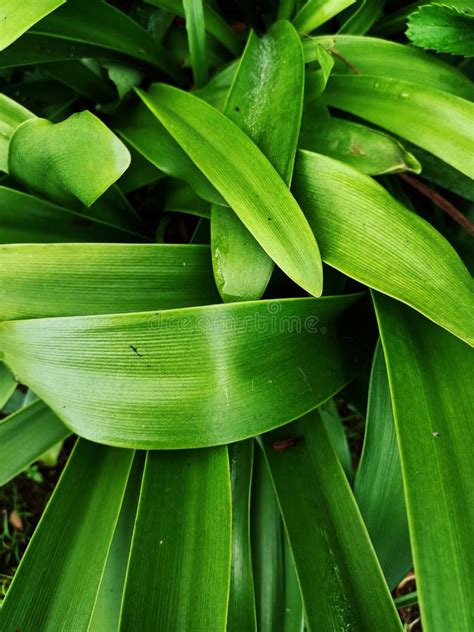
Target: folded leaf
179	570
370	56
26	218
25	436
78	279
378	485
268	86
412	111
18	19
245	178
12	114
368	235
79	158
430	377
362	17
185	378
328	538
366	149
242	614
74	536
444	29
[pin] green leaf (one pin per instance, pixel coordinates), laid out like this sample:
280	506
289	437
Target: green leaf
8	385
362	17
392	249
316	12
79	279
12	114
25	436
242	614
168	379
215	24
412	111
109	599
368	150
181	198
329	541
196	29
17	19
79	158
263	203
216	90
100	24
337	436
443	29
378	485
373	57
430	377
179	570
147	136
268	85
26	218
70	545
85	79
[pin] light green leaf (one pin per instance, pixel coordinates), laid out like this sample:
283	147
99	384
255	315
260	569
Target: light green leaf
268	86
316	12
12	114
100	24
79	158
25	436
412	111
215	24
378	485
328	538
242	614
196	29
179	570
443	28
78	279
16	19
109	599
430	377
192	377
26	218
368	150
245	178
392	249
362	17
73	536
8	385
373	57
146	135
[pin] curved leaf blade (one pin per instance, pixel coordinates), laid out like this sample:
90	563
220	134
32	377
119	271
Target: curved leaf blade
16	20
43	280
179	571
314	13
328	538
392	249
25	436
430	377
169	379
412	111
378	485
76	548
268	86
196	29
245	178
444	29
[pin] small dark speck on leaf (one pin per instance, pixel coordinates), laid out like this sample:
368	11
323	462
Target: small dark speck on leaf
237	109
135	350
269	219
435	434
